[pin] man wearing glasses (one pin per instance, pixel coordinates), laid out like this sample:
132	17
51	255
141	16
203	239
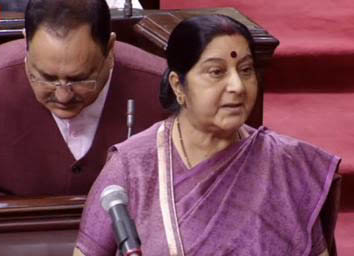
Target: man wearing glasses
64	94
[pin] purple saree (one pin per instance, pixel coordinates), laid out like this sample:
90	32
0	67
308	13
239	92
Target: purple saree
262	196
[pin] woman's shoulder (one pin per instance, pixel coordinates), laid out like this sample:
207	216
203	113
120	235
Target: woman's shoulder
283	143
133	156
139	144
275	147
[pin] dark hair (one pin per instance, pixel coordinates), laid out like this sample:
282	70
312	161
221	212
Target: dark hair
187	43
61	16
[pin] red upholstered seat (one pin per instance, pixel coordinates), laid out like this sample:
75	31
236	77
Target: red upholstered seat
344	234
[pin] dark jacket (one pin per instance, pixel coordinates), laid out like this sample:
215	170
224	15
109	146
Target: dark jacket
34	158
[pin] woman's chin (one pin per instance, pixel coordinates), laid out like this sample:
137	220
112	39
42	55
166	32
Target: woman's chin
229	127
232	123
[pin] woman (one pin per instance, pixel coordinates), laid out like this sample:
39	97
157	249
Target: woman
202	182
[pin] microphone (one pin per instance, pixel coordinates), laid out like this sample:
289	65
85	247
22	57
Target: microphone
130	116
114	200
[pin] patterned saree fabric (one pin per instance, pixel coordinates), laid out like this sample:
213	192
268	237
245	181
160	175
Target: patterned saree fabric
261	196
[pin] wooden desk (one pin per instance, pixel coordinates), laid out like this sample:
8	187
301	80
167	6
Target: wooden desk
50	243
47	226
41	226
11	26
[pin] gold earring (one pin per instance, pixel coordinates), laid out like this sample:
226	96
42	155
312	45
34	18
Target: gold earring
180	100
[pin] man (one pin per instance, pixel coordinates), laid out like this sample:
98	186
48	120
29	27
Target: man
64	94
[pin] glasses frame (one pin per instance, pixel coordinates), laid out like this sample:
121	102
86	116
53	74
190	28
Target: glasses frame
53	85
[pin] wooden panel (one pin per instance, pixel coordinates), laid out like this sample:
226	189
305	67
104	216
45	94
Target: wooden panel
11	26
40	213
38	243
41	226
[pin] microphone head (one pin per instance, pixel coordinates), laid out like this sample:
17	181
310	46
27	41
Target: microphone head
113	195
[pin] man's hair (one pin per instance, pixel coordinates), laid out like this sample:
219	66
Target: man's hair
61	16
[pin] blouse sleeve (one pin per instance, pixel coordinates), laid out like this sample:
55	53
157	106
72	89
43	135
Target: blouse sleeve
96	236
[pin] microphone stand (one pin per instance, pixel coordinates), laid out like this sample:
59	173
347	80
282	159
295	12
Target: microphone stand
128	8
130	116
127	14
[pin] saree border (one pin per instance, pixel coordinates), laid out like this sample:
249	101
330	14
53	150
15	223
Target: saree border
166	196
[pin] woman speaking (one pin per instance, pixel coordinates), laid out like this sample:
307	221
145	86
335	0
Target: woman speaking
202	182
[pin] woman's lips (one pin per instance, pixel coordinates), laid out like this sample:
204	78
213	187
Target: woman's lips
232	105
235	108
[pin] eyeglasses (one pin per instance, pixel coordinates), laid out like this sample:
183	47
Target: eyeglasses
78	86
82	86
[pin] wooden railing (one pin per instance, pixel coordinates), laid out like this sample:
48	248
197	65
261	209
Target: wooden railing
41	226
40	213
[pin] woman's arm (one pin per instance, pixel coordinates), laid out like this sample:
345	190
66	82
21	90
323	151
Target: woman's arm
95	221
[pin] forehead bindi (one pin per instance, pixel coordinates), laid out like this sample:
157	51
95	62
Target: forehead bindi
233	54
226	47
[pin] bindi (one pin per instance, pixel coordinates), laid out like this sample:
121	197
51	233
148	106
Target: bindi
233	54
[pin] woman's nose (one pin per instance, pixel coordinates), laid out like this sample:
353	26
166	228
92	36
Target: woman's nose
235	83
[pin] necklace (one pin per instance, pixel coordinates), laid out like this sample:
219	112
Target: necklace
182	143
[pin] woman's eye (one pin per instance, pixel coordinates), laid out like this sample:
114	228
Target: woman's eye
216	72
246	71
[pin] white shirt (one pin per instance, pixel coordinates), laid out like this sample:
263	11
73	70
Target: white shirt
120	4
79	132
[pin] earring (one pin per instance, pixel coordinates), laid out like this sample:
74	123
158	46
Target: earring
180	100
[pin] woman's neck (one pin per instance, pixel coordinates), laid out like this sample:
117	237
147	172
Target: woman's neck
195	144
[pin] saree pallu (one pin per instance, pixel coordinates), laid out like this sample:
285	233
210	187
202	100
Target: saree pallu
261	196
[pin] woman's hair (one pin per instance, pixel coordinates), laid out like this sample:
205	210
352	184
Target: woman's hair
187	43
